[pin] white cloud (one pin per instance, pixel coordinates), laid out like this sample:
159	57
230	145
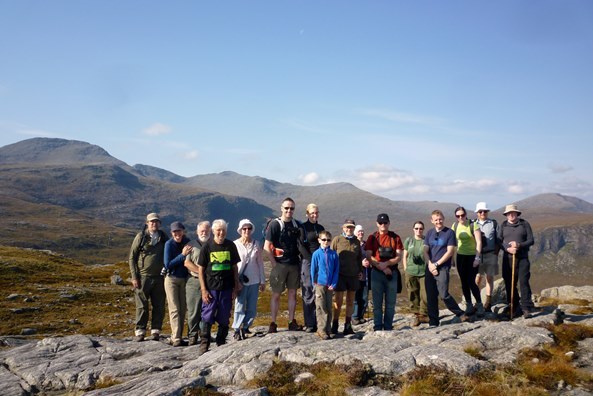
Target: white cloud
381	178
191	155
559	168
309	178
157	129
37	133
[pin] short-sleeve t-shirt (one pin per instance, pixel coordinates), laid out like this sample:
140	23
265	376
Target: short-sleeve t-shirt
219	261
376	240
438	242
286	239
466	243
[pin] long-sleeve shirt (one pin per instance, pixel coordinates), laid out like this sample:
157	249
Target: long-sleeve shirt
325	267
174	259
349	253
519	232
252	262
146	254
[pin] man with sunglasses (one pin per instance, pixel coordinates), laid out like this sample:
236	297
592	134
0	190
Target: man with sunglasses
281	247
488	268
384	251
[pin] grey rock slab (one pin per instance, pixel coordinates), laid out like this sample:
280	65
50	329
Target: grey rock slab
569	293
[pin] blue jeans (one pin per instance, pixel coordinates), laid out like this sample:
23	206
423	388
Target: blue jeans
246	306
383	290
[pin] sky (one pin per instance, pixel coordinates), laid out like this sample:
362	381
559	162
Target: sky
450	101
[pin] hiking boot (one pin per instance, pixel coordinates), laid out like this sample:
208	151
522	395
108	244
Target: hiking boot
139	338
178	343
334	329
193	340
294	326
155	336
348	329
416	321
273	328
221	334
204	345
356	321
310	329
465	318
479	308
470	310
487	304
237	335
423	318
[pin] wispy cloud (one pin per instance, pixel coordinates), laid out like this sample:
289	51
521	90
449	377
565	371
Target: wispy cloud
559	168
303	126
157	129
405	118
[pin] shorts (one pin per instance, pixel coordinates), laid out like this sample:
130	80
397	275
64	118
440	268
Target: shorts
348	283
489	264
285	276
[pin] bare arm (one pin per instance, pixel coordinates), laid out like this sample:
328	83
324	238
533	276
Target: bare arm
269	253
205	295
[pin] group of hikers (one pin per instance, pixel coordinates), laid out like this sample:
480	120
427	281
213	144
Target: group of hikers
203	276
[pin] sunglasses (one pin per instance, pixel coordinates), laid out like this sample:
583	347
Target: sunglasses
460	216
482	211
247	228
382	222
325	239
287	208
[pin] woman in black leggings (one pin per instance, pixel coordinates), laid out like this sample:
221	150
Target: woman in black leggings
469	246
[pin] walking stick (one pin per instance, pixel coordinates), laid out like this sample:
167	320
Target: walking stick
513	288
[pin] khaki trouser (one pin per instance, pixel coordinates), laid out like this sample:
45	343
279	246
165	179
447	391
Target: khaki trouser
175	289
323	308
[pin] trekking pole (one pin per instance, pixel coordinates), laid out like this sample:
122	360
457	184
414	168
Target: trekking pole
513	288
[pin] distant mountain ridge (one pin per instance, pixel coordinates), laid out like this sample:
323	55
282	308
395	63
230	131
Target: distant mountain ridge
106	199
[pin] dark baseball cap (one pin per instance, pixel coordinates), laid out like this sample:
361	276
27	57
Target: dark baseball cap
177	226
383	218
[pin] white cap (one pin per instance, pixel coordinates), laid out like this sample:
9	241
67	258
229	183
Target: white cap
481	206
358	228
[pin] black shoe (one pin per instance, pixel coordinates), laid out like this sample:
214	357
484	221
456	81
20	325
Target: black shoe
273	328
310	329
348	329
237	336
193	340
334	329
294	326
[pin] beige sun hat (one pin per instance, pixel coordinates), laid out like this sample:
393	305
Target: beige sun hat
511	208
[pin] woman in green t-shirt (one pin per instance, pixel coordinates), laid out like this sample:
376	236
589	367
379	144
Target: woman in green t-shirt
415	268
469	246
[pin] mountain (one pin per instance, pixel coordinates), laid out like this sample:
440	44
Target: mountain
336	201
55	152
75	198
92	208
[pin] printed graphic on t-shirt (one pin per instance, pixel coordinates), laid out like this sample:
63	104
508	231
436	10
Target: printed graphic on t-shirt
221	261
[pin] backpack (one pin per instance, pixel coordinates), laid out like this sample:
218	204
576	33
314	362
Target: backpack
471	226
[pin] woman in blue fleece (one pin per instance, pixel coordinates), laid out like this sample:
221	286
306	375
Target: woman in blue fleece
325	268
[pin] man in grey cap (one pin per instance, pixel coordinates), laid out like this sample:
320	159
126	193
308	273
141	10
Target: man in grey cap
146	263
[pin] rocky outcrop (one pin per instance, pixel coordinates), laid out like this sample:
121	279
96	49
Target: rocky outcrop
81	363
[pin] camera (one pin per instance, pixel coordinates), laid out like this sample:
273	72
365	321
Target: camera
244	279
417	260
164	271
386	253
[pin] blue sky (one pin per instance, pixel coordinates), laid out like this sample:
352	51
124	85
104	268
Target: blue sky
453	101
